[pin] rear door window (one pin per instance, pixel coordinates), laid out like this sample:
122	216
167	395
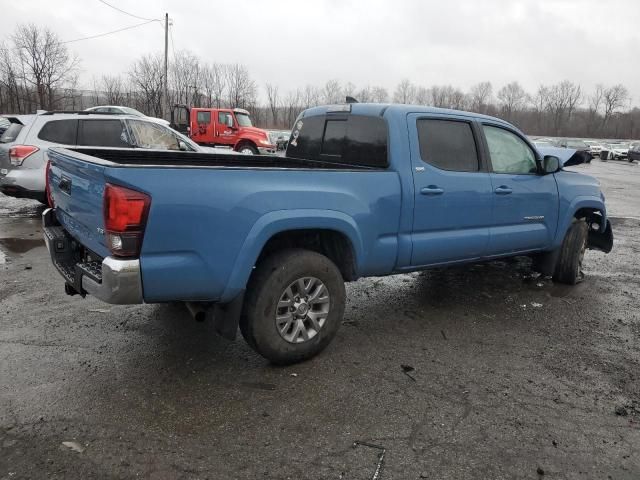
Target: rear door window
448	145
59	131
203	117
103	133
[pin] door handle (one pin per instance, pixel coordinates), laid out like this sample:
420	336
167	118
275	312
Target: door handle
503	190
432	190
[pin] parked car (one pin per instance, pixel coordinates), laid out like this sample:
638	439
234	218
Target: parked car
119	110
24	145
582	150
594	147
614	151
364	190
543	144
634	152
222	127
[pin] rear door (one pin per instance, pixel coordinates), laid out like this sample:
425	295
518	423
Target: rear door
202	129
99	132
452	212
525	203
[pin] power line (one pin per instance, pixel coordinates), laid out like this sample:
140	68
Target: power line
126	13
109	33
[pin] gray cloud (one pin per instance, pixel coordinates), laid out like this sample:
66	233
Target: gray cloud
294	43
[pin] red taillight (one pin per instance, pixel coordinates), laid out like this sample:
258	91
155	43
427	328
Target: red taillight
18	153
125	218
47	188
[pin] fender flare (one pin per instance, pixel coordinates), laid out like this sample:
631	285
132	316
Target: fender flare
576	204
279	221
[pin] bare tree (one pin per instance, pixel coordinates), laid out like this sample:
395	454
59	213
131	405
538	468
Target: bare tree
241	89
332	92
146	77
480	97
274	103
512	98
310	96
614	98
596	101
113	88
45	63
405	92
185	78
379	95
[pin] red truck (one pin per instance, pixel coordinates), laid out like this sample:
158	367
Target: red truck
228	127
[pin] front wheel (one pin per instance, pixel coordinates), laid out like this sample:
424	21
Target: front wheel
569	267
293	306
247	149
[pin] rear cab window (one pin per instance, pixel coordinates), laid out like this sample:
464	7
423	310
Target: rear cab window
103	133
448	144
356	140
59	131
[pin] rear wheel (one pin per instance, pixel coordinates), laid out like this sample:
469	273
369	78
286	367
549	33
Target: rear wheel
294	306
569	267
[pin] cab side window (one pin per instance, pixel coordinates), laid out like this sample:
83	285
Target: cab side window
509	153
224	118
448	145
203	117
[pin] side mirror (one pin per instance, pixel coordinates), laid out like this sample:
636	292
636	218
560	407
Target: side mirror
230	121
182	146
550	164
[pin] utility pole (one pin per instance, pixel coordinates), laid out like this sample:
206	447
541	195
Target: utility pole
165	104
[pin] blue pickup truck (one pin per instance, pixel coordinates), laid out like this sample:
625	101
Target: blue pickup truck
266	243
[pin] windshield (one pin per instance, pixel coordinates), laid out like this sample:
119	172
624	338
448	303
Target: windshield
11	133
542	144
243	120
577	144
132	111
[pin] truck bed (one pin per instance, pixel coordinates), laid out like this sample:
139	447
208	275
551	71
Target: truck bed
114	157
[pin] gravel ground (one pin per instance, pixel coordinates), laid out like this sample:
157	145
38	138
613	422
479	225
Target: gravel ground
505	375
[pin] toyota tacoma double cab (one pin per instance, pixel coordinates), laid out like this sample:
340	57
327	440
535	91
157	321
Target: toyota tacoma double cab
266	243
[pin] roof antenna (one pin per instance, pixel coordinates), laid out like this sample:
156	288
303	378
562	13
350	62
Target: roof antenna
350	99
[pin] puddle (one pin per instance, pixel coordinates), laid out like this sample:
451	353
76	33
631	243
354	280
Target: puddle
18	246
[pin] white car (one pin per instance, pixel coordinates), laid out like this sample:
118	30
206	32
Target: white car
594	147
116	109
615	151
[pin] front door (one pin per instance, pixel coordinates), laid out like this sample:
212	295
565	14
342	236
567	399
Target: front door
452	211
226	128
525	203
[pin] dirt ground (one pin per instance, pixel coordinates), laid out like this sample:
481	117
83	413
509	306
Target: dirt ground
505	375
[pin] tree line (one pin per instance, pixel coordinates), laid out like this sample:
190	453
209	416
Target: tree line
37	71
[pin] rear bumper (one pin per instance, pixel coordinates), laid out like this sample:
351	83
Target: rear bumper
21	192
113	280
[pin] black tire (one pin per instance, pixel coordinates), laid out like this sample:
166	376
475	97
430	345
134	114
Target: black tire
267	285
569	267
248	146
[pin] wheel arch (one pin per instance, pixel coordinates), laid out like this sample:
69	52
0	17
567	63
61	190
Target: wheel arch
329	232
590	208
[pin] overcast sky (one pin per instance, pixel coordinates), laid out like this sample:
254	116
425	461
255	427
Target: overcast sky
367	42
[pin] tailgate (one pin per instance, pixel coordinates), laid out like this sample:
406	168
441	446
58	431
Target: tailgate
77	186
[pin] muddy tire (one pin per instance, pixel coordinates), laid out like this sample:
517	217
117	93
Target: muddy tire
293	307
569	267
